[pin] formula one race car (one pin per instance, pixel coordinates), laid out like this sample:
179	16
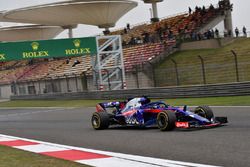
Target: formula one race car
141	112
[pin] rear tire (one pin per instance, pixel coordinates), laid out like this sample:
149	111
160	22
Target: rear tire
204	111
100	120
166	120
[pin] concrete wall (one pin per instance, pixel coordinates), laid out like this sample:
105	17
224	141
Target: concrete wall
5	91
232	89
67	85
140	80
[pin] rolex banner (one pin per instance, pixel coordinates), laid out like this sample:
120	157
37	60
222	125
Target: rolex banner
47	48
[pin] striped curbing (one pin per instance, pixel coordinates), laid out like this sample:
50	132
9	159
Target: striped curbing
90	156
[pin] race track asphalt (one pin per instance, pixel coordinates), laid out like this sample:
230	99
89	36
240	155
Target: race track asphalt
224	146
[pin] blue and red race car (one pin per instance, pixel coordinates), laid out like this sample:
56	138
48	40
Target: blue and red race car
141	112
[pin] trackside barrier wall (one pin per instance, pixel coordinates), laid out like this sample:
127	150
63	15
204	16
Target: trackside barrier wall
232	89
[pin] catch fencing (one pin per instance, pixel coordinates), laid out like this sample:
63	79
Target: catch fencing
228	67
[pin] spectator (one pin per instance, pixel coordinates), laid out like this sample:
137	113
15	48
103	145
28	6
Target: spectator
209	34
203	8
197	9
75	63
244	30
145	37
189	10
193	35
211	7
128	26
166	27
31	62
216	33
132	40
159	32
67	61
139	40
125	31
152	38
236	32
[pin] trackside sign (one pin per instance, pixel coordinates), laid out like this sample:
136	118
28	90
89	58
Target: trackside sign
47	48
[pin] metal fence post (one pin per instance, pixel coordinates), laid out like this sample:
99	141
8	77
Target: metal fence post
203	70
39	87
76	80
153	73
67	82
236	65
176	71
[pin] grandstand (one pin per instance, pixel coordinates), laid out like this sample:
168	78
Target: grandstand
144	45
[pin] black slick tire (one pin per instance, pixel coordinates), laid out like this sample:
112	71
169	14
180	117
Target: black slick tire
166	120
100	120
204	111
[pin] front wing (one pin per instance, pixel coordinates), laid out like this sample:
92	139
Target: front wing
217	122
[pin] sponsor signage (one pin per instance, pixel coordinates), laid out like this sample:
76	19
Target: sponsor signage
47	48
182	124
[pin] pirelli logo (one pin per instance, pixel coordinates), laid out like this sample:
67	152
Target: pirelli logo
2	57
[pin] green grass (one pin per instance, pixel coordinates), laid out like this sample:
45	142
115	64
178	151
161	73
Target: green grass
219	65
10	157
216	101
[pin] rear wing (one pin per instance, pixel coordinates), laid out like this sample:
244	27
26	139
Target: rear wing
101	107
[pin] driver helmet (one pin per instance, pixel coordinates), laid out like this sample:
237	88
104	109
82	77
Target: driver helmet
144	100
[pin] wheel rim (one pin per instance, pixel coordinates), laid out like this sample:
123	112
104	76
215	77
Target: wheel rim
95	121
162	120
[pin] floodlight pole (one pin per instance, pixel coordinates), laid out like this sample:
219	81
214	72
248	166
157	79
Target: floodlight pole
154	9
70	32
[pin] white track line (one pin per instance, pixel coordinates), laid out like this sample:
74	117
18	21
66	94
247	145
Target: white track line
32	112
13	108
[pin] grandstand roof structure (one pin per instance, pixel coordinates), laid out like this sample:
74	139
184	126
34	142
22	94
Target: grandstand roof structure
101	13
1	16
29	32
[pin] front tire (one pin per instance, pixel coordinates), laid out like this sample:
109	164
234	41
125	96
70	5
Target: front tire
204	111
166	120
100	120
